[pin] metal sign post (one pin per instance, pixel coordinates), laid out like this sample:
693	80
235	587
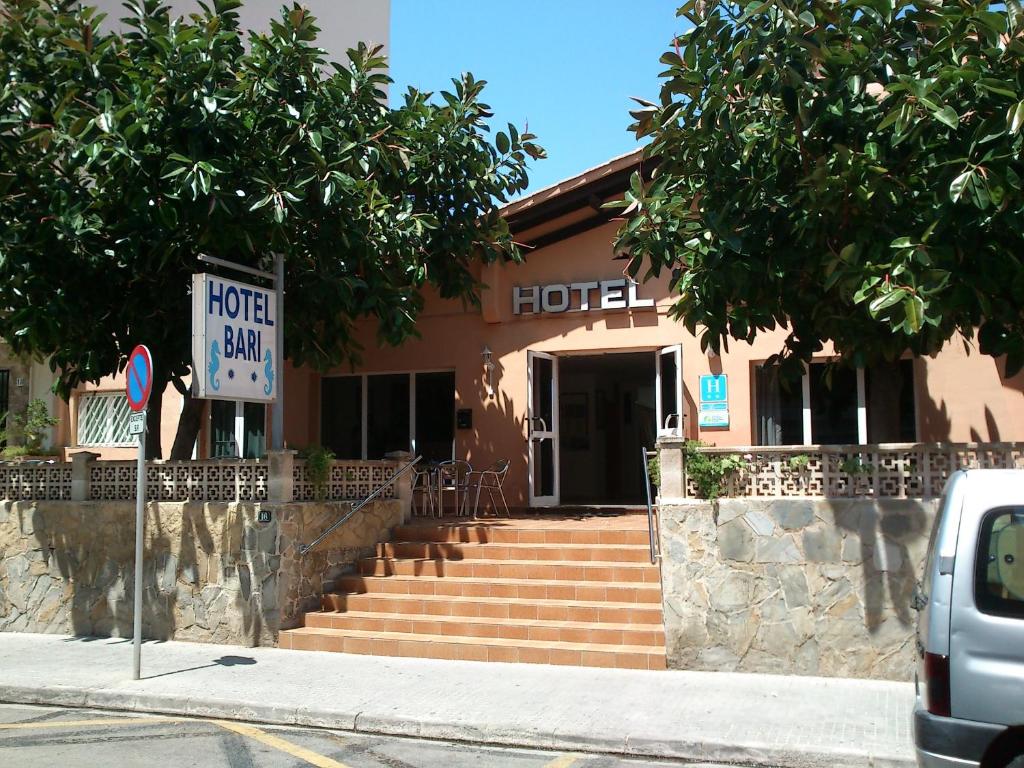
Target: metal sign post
140	521
138	386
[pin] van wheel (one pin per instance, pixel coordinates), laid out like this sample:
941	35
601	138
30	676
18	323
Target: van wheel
1007	751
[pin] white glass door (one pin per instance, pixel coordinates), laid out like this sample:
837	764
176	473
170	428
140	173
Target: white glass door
668	390
542	428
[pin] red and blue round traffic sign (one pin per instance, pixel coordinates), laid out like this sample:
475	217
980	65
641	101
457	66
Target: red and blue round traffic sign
139	377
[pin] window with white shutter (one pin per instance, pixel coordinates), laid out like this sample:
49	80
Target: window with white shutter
103	420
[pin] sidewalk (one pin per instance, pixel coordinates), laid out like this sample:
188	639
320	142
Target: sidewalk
702	716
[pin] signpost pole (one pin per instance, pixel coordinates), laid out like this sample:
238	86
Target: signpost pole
138	387
277	424
140	518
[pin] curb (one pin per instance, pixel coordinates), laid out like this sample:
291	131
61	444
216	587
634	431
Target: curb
709	750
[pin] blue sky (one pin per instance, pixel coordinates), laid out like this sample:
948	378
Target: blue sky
566	66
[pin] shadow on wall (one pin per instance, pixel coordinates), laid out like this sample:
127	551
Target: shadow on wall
936	425
499	427
886	532
81	572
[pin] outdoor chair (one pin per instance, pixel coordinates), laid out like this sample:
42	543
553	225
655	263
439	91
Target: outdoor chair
453	476
422	487
491	480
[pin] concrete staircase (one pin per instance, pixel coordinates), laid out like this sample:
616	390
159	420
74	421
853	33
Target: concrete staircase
550	590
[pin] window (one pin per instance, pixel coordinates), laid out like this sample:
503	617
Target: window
103	420
434	437
238	424
387	415
5	383
780	408
834	405
341	415
369	416
999	571
890	401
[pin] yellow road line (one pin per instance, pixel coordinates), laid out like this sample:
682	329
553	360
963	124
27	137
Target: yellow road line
280	744
80	723
564	761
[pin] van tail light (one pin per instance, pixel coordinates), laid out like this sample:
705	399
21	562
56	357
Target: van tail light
936	684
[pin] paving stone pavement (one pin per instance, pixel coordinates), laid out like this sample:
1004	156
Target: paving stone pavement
787	721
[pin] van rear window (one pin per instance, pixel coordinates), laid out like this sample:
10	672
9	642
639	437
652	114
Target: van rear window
999	572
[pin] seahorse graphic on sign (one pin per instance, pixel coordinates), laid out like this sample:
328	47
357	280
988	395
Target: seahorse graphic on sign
268	369
214	365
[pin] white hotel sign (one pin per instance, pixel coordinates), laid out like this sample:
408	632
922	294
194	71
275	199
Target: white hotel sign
234	345
576	297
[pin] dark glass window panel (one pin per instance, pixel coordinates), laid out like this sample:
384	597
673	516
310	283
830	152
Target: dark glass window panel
387	414
5	384
669	376
780	406
222	429
255	420
341	415
890	401
435	415
543	406
833	405
544	468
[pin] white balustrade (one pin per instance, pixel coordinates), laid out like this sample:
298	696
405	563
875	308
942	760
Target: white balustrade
893	470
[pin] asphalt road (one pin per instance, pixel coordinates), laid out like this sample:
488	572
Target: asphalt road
38	737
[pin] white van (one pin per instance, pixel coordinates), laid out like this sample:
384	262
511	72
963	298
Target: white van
970	633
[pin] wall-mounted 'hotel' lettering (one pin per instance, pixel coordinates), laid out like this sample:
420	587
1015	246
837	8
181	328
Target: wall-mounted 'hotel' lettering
620	293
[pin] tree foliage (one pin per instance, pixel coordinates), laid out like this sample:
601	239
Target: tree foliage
125	156
850	169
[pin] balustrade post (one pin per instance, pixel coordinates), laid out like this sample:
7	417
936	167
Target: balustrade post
673	470
403	485
280	476
81	474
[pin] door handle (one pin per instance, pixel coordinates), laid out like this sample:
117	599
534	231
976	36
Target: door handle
543	424
669	418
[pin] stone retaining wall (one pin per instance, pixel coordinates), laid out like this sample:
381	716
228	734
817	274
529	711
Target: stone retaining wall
793	586
212	573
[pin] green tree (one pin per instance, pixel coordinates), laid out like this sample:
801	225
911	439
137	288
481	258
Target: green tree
850	169
125	156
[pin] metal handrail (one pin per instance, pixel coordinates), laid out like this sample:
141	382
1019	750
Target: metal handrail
650	510
304	548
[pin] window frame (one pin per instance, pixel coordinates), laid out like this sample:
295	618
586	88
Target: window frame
364	394
986	603
239	427
5	400
862	405
109	398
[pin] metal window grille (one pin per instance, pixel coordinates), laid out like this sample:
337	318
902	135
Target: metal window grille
103	420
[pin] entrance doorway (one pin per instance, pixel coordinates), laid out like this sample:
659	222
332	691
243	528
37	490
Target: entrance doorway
607	414
590	415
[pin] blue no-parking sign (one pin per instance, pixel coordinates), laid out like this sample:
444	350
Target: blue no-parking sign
139	378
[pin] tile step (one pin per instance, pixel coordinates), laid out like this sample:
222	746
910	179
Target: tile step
484	534
617	553
475	626
540	589
512	569
645	614
472	648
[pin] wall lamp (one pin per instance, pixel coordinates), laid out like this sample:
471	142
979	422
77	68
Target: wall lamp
488	370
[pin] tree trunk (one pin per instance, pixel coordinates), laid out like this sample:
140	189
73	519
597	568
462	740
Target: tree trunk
153	408
188	428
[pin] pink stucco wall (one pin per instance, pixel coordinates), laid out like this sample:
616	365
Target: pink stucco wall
960	396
